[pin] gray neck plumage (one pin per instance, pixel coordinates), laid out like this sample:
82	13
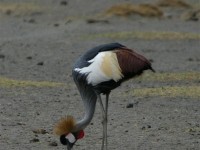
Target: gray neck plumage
89	98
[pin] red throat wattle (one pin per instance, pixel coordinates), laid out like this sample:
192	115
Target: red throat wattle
80	134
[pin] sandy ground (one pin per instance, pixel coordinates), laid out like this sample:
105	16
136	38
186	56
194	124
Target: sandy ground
39	41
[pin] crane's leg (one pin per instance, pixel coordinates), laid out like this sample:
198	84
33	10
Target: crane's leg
103	116
106	120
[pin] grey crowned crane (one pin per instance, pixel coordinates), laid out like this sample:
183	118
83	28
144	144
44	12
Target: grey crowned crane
98	71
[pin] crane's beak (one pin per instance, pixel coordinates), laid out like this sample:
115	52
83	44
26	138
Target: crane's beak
65	141
69	146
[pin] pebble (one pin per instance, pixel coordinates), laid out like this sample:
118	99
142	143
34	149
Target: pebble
40	63
63	3
34	140
29	57
40	131
130	105
21	123
146	127
53	143
56	24
2	56
96	21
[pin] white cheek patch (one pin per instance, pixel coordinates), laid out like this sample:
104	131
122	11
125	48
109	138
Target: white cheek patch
70	137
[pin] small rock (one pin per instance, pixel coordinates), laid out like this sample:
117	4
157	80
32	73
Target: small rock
63	3
190	59
21	123
146	127
8	12
31	20
56	24
29	57
130	105
40	63
2	56
149	126
96	21
34	140
36	135
53	144
40	131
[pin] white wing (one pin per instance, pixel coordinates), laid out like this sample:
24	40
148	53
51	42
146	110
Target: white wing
104	67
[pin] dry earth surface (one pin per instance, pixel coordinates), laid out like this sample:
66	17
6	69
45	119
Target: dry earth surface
40	40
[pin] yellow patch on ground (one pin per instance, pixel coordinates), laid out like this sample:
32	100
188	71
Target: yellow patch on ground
153	35
184	76
20	8
126	9
5	82
111	67
173	3
167	91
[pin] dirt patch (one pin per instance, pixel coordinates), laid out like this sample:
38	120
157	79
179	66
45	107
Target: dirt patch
174	3
126	9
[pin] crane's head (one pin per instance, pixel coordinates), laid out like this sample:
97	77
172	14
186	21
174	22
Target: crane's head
65	129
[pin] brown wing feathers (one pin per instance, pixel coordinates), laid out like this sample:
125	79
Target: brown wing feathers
132	63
